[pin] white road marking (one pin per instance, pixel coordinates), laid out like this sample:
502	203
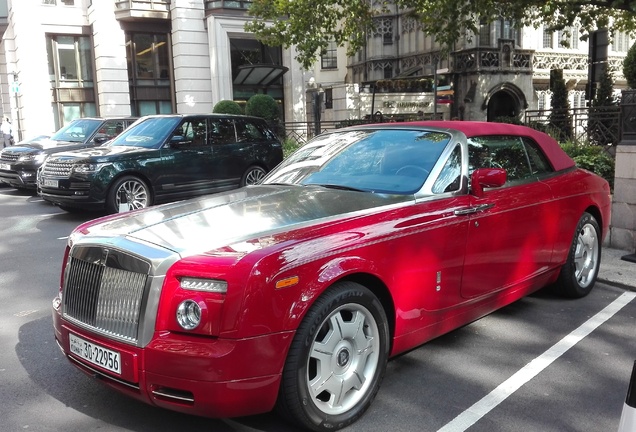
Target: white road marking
532	369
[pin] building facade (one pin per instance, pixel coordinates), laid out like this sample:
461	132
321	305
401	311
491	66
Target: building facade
502	71
63	59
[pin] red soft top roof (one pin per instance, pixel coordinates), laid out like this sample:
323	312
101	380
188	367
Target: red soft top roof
558	158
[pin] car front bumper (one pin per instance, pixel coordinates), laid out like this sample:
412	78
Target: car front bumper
23	179
209	377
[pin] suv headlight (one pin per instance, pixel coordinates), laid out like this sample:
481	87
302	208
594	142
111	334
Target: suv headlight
86	168
33	157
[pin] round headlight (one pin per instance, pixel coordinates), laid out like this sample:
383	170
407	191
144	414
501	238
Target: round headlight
189	314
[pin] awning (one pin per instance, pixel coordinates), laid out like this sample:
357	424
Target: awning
259	74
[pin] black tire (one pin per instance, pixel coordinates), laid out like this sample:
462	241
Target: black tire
345	338
578	274
136	191
253	175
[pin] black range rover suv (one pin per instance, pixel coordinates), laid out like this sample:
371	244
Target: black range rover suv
19	163
162	158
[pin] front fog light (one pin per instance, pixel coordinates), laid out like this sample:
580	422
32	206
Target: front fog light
189	314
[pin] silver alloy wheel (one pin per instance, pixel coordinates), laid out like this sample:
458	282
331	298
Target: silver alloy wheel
343	359
254	176
135	192
586	255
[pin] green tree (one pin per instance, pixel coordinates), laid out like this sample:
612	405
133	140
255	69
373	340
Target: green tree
560	117
227	107
629	67
602	113
310	25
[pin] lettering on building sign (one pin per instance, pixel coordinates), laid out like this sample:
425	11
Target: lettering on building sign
401	104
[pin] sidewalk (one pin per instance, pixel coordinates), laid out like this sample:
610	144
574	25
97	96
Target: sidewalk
616	271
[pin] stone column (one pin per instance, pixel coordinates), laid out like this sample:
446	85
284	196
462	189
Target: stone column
623	226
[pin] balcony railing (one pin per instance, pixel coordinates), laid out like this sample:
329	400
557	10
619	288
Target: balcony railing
132	10
505	58
227	5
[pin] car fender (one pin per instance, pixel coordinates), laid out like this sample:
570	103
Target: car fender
307	282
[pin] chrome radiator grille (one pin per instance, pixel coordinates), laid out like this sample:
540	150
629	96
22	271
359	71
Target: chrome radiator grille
9	157
104	292
57	169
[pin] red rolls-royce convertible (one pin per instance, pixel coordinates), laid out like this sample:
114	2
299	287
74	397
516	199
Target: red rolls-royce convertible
366	242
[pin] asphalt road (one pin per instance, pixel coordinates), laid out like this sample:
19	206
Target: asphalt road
540	364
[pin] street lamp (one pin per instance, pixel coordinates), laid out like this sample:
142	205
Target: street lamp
16	88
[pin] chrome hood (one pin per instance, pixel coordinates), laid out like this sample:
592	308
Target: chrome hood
203	224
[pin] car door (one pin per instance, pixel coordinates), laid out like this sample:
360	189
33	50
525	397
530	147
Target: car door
508	239
231	151
188	155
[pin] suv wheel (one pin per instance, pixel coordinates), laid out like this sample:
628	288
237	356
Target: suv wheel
253	175
128	193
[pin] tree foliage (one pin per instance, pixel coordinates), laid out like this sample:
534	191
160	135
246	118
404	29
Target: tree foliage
309	25
602	117
560	117
629	67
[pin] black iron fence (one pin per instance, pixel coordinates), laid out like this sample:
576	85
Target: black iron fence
301	132
593	125
596	125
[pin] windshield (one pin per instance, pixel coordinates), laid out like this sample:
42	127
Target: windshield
151	132
77	130
393	161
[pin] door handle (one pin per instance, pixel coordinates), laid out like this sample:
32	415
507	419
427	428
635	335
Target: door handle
474	209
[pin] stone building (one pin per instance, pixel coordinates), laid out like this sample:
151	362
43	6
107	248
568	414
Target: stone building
63	59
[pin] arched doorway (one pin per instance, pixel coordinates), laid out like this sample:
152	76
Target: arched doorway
504	100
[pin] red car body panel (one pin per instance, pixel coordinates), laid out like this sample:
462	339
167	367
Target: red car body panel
433	266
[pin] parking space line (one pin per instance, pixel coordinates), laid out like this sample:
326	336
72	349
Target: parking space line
482	407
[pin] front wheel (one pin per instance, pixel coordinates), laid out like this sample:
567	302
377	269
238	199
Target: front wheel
128	193
336	361
579	272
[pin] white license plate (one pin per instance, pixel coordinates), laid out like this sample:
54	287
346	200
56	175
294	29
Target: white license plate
50	183
95	354
5	167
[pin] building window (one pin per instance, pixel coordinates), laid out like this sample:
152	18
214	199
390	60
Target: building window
503	29
506	29
149	73
71	77
548	36
569	38
484	33
56	2
329	57
383	28
620	42
70	61
328	98
388	72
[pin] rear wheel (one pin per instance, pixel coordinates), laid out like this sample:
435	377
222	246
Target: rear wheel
337	359
253	175
579	272
128	193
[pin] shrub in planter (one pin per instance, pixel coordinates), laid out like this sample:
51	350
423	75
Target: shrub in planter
227	107
290	145
592	158
264	106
